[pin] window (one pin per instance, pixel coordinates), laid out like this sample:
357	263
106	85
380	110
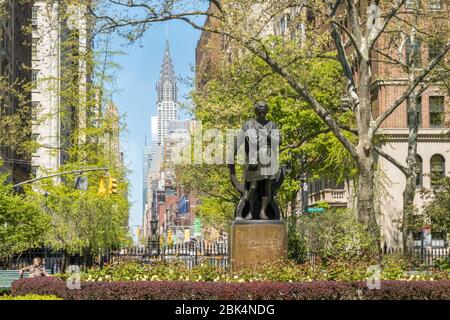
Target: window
413	55
438	239
34	16
34	110
284	23
437	164
419	171
434	48
417	237
436	105
435	4
411	4
34	49
34	79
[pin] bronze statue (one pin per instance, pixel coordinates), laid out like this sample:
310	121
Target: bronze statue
262	175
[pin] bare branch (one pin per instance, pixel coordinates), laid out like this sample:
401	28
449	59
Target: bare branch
405	170
376	32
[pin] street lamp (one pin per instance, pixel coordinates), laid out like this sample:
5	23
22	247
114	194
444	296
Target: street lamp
153	241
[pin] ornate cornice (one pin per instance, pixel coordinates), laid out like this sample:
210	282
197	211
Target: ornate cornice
425	135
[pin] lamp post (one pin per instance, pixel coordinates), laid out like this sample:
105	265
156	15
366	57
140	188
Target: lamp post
153	241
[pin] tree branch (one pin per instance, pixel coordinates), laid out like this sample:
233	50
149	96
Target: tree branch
405	170
419	78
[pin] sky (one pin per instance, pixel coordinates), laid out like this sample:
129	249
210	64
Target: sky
136	98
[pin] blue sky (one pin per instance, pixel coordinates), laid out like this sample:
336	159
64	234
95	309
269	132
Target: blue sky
136	99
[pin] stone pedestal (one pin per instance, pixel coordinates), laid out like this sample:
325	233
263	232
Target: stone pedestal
254	242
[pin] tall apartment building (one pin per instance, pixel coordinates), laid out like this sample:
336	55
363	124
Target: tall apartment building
389	83
60	40
15	60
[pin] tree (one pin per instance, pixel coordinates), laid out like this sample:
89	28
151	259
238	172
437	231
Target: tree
407	43
23	223
88	133
437	209
235	87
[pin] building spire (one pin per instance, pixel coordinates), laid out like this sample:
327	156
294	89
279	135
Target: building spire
167	77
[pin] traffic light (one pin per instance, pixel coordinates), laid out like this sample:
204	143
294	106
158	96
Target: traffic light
112	186
102	186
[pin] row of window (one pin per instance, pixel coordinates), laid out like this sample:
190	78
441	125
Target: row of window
437	169
413	50
432	4
437	172
436	111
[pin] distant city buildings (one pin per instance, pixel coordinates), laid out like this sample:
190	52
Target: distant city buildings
163	198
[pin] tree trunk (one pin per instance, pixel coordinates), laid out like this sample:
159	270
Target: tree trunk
411	162
365	161
365	192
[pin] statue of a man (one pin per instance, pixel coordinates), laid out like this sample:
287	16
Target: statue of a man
261	138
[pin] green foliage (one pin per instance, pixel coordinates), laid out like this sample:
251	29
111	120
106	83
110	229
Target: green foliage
296	245
227	100
337	234
336	270
437	208
23	223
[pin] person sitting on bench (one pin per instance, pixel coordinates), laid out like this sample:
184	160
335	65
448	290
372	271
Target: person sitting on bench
35	270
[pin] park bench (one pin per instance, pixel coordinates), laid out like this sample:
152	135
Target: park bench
7	277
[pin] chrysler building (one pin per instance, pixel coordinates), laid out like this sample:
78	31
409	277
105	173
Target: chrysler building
167	96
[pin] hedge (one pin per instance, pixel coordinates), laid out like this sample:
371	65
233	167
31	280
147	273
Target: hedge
29	297
174	290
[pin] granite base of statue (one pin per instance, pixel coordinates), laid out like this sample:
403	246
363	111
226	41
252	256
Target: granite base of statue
258	235
257	242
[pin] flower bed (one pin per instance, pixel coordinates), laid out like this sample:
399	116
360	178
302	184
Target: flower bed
277	272
186	290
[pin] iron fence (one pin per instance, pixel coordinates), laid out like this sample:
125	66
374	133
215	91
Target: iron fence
55	261
418	257
191	254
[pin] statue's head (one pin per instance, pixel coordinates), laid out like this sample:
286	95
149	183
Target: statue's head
261	109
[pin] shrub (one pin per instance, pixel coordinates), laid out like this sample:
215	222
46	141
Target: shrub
335	235
296	245
30	297
393	268
179	290
4	291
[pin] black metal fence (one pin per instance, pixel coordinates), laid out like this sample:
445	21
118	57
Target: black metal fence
55	261
422	256
418	258
191	254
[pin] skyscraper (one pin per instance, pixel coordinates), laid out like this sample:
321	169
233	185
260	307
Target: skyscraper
167	108
167	103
